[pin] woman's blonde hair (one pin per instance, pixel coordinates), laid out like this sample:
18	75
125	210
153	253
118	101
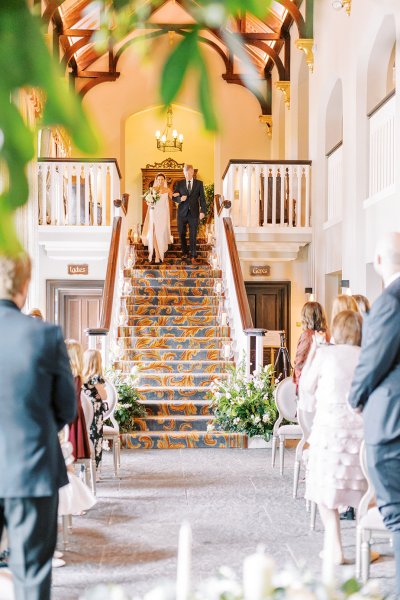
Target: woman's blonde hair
343	302
313	317
363	303
347	328
92	365
75	354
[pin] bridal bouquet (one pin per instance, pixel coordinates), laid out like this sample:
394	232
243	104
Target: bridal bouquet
151	197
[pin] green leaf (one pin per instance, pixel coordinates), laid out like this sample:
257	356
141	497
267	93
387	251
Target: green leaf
176	66
206	98
351	587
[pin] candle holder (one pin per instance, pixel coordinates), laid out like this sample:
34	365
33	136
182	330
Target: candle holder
227	351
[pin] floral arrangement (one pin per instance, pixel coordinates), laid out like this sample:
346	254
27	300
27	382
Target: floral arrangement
151	197
128	406
245	404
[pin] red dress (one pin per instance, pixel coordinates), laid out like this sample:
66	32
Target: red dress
78	435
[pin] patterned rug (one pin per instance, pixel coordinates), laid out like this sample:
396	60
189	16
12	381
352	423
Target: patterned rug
174	336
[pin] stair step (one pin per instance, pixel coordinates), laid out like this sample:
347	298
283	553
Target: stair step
168	261
166	423
165	331
172	394
168	354
179	272
174	282
172	321
176	440
192	380
148	310
167	408
172	291
173	300
173	366
174	342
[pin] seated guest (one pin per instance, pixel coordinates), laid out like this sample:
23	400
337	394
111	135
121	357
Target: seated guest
37	399
78	434
334	478
363	303
314	323
93	387
343	302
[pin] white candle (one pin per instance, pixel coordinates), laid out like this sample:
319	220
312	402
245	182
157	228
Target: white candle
258	570
121	318
224	319
214	263
184	562
227	350
218	288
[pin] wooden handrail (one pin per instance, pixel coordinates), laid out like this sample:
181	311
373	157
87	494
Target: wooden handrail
82	160
109	284
244	308
221	203
240	161
388	97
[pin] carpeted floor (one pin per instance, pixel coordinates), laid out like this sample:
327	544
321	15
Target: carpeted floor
233	500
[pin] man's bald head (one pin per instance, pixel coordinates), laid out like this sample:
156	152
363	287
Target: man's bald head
387	255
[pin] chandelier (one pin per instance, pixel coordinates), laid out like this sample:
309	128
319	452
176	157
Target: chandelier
339	4
169	140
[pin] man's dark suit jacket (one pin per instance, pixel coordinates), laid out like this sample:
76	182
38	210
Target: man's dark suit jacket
37	398
196	199
376	383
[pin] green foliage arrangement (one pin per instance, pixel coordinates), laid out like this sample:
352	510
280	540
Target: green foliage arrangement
128	406
245	405
209	194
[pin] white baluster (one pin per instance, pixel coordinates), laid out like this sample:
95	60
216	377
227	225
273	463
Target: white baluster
103	169
282	215
53	194
95	196
266	180
290	196
45	169
78	169
298	196
241	198
70	205
87	195
274	188
249	199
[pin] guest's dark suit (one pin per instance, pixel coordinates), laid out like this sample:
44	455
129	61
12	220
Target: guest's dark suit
37	398
189	211
376	390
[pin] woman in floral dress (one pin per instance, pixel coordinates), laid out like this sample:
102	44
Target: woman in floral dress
94	388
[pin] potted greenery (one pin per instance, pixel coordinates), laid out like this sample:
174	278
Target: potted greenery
128	407
246	404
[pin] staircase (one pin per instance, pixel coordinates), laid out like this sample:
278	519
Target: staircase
174	337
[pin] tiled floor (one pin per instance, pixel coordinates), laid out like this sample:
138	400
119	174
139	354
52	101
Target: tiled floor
233	500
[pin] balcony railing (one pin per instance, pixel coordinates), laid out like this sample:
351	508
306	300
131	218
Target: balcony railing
269	193
382	149
77	192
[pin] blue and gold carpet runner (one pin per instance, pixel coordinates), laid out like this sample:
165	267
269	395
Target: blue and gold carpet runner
173	335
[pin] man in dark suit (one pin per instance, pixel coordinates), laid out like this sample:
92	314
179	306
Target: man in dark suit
376	390
189	195
37	398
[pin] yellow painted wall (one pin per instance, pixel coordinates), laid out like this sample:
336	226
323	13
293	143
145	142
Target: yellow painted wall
140	149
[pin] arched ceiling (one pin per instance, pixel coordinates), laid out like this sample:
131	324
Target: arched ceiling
75	21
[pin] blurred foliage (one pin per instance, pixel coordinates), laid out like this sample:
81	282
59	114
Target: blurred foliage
25	62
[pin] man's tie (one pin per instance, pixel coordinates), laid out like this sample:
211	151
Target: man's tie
189	186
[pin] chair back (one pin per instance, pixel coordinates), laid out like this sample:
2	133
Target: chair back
286	400
112	398
370	493
88	410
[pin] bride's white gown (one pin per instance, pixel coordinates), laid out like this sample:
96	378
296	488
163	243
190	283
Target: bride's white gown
156	229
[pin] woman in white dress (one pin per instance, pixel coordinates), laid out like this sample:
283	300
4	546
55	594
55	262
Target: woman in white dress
334	478
156	234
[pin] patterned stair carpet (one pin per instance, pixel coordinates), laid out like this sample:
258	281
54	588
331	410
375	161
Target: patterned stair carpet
173	335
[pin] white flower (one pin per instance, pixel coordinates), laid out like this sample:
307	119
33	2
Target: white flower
228	395
105	592
162	592
266	417
106	445
210	427
236	420
257	419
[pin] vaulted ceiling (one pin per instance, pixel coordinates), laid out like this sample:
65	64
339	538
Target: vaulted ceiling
267	41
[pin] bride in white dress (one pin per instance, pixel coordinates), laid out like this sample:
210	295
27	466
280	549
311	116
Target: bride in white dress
156	234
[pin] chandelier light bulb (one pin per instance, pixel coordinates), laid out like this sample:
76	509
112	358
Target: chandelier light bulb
174	134
180	137
158	133
164	138
169	140
337	4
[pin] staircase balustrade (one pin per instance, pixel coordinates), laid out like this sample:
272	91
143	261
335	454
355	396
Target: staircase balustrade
235	292
77	192
269	193
118	255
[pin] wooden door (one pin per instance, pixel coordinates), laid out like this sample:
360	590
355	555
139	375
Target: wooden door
80	312
270	309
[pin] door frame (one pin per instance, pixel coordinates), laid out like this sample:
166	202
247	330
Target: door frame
286	305
57	289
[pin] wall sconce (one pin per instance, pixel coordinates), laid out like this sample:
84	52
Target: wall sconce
309	294
345	285
339	4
